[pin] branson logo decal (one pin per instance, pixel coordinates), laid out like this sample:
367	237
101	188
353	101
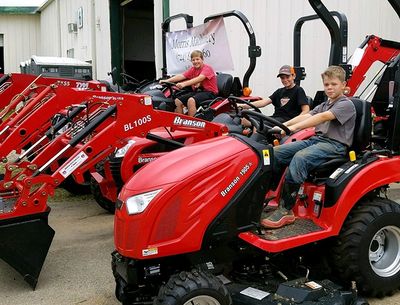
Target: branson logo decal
188	123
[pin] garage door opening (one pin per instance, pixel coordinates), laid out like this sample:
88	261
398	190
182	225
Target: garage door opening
138	39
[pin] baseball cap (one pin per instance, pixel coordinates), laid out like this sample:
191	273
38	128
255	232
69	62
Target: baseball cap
286	70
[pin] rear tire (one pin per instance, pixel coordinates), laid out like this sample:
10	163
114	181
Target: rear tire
102	201
368	248
196	287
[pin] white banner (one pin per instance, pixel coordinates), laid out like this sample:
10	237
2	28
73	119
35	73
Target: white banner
210	38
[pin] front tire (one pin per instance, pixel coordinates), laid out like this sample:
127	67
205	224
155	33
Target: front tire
196	287
102	201
368	248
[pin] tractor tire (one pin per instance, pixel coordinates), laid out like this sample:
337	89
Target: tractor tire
102	201
195	287
75	188
368	248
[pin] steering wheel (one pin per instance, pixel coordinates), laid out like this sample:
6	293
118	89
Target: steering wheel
261	118
234	101
172	87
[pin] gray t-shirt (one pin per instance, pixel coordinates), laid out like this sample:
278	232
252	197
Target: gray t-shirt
340	129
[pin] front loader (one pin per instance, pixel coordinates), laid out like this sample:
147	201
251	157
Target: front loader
26	235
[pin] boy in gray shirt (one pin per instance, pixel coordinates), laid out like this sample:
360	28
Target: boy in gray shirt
334	122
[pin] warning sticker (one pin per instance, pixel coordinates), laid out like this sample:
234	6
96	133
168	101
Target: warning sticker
313	285
149	251
67	169
255	293
266	157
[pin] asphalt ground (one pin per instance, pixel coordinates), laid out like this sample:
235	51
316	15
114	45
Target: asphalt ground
77	269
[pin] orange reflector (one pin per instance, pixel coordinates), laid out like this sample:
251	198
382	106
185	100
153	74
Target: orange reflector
246	91
276	142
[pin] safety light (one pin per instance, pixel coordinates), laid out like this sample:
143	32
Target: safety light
120	153
352	155
247	91
137	204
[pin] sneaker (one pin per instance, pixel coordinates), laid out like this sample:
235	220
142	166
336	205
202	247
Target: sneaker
279	218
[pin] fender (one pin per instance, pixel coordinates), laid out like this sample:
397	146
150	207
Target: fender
384	170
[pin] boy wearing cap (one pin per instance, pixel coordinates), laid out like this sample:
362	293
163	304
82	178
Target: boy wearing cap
334	122
288	101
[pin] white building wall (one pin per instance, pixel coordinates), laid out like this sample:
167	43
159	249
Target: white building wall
50	42
90	42
21	39
102	37
273	23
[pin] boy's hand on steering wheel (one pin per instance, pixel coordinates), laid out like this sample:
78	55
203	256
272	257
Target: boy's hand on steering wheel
180	85
278	132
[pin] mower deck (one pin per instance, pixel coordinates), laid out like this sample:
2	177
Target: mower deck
299	291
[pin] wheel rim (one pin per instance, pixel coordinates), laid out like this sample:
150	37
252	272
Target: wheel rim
202	300
384	251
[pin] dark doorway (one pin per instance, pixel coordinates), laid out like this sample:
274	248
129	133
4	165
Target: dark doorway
1	54
138	39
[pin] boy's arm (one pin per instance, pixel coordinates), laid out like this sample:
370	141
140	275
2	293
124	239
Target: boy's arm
296	119
173	79
193	81
259	104
304	109
312	121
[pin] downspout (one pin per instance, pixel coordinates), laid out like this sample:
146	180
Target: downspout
59	28
166	11
93	40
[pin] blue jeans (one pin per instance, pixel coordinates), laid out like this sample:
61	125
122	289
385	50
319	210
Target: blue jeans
301	157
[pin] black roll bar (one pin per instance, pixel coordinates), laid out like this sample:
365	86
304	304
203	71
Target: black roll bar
396	6
339	35
394	139
254	50
165	26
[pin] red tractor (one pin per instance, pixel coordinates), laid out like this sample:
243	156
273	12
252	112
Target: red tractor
187	225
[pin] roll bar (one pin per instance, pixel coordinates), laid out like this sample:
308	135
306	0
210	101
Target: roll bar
339	37
165	26
254	50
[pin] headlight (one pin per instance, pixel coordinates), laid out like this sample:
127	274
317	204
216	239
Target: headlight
137	204
122	151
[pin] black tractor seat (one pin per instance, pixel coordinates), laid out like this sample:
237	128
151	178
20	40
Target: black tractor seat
224	83
362	135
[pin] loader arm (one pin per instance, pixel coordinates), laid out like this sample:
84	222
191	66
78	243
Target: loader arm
29	124
374	49
25	236
14	88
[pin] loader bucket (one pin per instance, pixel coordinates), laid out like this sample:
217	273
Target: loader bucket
24	243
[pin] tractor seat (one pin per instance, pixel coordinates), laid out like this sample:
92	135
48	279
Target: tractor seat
362	135
224	83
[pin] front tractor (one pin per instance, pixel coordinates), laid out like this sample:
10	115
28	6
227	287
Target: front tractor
187	224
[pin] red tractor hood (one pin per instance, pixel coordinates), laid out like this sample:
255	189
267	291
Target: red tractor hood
183	163
196	183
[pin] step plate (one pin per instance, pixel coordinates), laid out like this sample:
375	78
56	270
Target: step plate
299	227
